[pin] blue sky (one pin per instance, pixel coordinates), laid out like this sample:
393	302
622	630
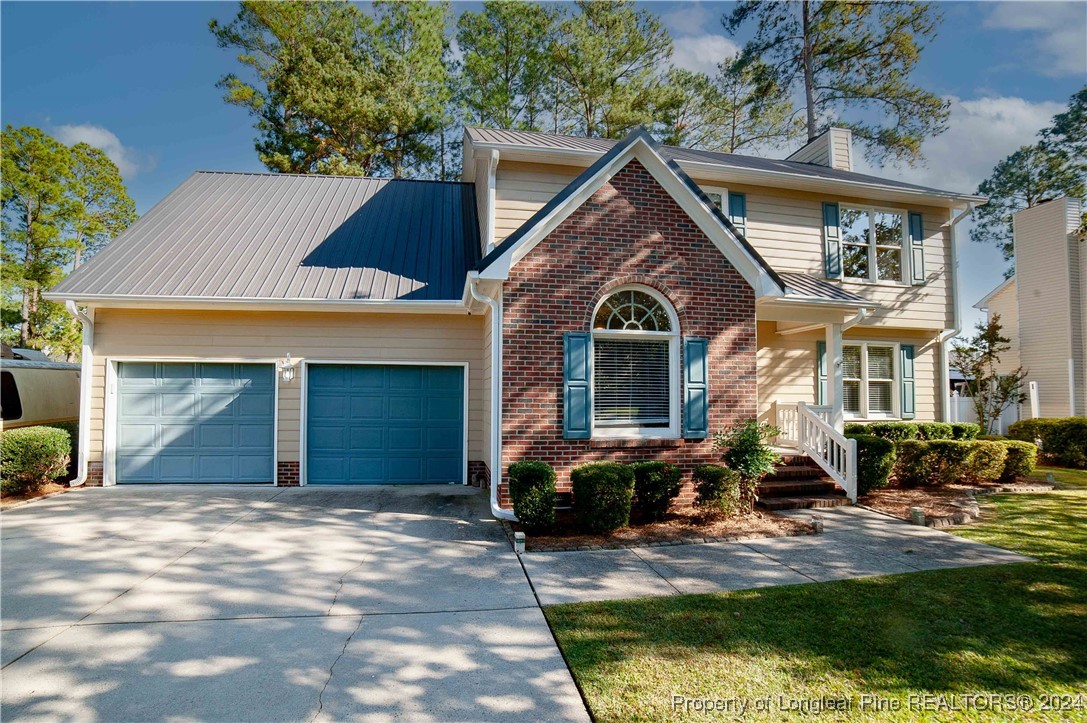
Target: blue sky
138	80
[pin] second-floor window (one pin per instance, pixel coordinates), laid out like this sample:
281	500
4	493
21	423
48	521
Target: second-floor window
872	242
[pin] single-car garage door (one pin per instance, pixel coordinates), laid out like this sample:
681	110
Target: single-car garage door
195	422
384	424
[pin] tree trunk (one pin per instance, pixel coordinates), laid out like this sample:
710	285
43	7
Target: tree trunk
24	325
809	73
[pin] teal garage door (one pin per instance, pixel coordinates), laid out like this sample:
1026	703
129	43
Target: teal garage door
204	423
384	424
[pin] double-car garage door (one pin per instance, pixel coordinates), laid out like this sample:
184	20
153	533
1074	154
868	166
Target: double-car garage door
364	424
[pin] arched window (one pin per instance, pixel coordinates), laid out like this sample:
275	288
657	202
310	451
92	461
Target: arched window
635	365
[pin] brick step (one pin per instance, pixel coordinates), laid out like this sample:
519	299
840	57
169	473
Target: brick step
789	472
802	460
803	502
792	488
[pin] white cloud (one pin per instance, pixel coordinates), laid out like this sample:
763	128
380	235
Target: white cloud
103	139
689	18
702	53
1060	41
980	133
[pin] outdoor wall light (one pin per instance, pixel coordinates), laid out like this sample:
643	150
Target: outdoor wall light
286	369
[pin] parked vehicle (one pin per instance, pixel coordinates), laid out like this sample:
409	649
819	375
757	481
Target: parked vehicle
36	390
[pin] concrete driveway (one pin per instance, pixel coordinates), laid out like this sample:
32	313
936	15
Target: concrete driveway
263	604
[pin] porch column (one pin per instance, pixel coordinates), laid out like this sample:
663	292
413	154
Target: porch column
834	376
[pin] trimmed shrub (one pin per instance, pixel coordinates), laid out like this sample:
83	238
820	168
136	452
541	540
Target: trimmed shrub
894	431
656	484
603	492
854	428
985	461
532	489
990	437
1063	440
964	430
72	428
31	457
1022	456
934	430
875	462
717	488
947	461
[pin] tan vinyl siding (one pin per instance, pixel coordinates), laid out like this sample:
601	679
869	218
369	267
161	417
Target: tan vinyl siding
1045	303
787	366
787	229
235	335
817	152
1007	306
841	148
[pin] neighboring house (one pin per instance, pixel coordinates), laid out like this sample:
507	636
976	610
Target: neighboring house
1043	308
573	299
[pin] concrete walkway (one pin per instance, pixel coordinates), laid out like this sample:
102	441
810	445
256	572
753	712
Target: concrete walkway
856	543
263	604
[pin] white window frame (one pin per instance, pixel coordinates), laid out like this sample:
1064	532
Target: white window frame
873	270
896	382
720	191
674	372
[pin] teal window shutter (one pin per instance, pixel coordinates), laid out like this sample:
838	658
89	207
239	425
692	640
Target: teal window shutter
696	373
821	365
917	248
832	241
909	388
577	385
737	211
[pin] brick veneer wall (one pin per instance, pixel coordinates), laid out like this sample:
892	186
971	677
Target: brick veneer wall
94	474
288	474
629	231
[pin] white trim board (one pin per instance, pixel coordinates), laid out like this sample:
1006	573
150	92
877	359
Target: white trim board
304	392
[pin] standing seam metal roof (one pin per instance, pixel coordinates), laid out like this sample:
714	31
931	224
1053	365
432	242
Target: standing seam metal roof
285	236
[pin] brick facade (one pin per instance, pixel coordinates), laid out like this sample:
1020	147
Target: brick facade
94	474
478	474
288	474
629	231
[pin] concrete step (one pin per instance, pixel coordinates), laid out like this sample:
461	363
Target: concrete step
806	502
801	486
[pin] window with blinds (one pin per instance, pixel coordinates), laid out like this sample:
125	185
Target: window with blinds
869	384
632	382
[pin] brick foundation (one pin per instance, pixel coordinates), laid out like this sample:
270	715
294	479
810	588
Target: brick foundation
94	475
479	475
287	474
629	231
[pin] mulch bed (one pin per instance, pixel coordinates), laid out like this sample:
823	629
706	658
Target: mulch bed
683	526
49	489
937	502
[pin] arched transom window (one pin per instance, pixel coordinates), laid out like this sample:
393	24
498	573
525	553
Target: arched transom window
635	374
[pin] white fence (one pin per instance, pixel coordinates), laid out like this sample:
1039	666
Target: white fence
962	410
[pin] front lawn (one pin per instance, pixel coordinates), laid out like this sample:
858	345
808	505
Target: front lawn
1066	478
1009	629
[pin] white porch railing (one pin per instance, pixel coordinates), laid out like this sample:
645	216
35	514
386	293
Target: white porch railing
787	419
830	449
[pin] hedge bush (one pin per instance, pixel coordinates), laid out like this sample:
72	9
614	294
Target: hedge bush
603	492
532	489
875	462
30	457
1063	440
72	428
656	484
717	488
947	461
965	431
1021	459
934	430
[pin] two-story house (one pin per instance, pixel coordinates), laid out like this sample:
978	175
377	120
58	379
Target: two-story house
572	299
1043	309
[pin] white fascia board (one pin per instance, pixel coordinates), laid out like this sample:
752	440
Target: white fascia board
732	174
263	304
984	303
753	272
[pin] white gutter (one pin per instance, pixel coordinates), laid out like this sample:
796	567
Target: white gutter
860	316
450	306
947	334
496	396
84	392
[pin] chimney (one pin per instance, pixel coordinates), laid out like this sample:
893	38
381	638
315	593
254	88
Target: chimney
832	148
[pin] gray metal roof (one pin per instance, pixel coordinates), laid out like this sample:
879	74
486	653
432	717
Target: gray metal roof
688	155
281	236
812	287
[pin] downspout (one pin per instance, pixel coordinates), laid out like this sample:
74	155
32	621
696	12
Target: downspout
956	314
84	391
496	396
860	316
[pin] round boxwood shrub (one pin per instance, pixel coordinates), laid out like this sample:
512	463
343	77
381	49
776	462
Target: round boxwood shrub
31	457
717	488
934	430
532	489
1022	456
894	431
656	484
603	492
985	462
947	461
964	430
875	461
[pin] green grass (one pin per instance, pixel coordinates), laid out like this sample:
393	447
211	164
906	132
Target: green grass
1066	478
1009	629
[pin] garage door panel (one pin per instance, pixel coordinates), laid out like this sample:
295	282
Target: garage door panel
195	422
326	406
406	424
